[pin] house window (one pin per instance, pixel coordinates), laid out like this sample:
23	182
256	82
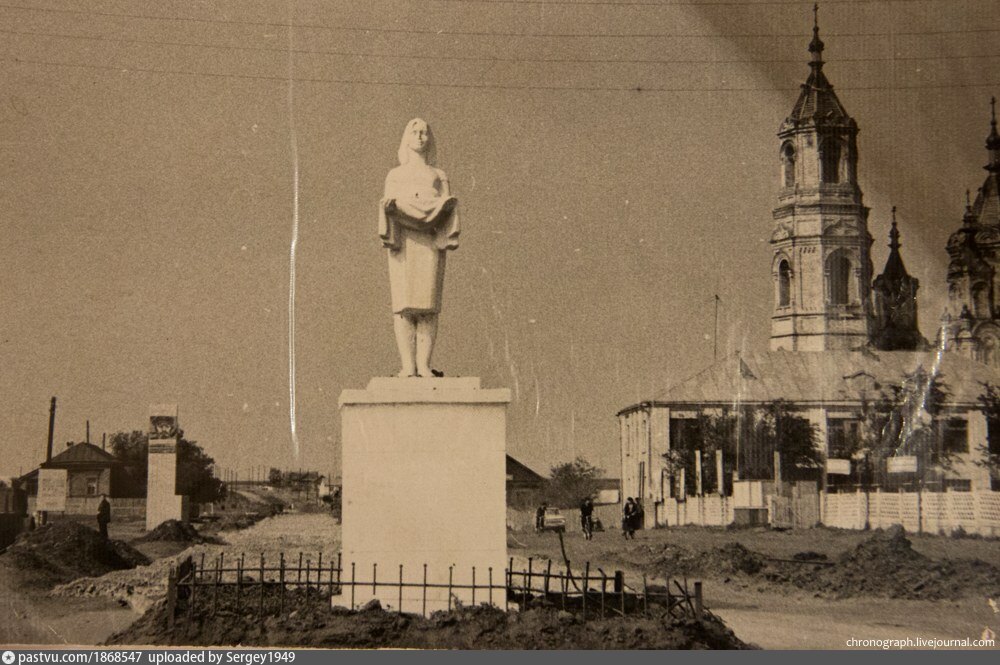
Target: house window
842	434
839	271
788	165
830	161
784	284
92	485
954	435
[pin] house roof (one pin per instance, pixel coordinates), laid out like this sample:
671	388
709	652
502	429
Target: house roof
827	377
80	454
518	472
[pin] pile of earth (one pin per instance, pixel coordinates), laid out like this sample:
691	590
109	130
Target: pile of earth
887	565
62	551
173	531
314	624
676	561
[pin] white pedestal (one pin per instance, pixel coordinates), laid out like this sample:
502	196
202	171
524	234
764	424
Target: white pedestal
162	501
424	483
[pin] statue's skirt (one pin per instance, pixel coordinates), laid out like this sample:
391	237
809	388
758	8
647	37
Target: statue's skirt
416	274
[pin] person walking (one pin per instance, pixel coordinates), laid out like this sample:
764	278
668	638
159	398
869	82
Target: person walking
587	518
628	519
103	516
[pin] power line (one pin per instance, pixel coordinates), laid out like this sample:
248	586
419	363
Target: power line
398	56
490	33
472	86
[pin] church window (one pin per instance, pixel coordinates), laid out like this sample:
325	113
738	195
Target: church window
839	273
981	301
830	161
784	284
788	165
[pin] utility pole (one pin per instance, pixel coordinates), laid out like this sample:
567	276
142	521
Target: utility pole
88	432
715	333
52	425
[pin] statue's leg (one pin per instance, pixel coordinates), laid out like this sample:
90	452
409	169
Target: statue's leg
427	326
406	333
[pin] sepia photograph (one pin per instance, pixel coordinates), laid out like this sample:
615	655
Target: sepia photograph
499	325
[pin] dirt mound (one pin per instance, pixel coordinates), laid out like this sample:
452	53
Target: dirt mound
732	558
315	624
809	555
886	565
174	531
674	560
63	551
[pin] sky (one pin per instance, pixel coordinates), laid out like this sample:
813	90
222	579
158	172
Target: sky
616	164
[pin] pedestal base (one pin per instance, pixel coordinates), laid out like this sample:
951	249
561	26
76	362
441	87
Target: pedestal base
162	501
424	493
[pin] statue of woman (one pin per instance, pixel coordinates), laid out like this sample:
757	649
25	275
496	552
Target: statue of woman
418	223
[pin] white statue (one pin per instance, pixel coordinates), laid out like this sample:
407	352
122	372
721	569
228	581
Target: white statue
418	223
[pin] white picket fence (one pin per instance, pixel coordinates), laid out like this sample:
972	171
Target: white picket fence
931	512
707	510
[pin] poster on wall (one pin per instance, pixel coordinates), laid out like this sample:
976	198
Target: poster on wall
51	489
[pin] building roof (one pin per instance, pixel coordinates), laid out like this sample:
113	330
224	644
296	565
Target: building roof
520	473
80	454
823	377
817	102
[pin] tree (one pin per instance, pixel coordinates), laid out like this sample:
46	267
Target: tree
793	437
195	469
989	404
571	483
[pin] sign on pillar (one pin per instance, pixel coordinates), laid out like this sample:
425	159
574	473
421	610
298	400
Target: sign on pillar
162	501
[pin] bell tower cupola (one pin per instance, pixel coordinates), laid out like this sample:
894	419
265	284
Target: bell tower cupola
821	264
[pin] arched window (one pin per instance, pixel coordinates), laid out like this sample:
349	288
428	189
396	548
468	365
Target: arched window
838	268
788	165
830	161
784	284
981	301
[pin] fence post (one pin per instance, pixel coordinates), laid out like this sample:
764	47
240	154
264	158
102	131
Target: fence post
171	596
473	586
490	579
374	577
528	584
352	586
424	593
194	587
319	575
308	562
645	595
586	583
699	606
451	570
239	582
506	590
331	579
620	587
340	567
400	607
298	578
281	580
548	574
215	589
604	590
261	608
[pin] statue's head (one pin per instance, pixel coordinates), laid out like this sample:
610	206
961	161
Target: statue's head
417	138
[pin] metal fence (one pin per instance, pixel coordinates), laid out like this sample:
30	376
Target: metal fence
241	584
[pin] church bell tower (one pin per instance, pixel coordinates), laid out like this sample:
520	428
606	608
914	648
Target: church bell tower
821	266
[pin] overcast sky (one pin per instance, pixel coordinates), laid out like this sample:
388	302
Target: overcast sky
615	162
